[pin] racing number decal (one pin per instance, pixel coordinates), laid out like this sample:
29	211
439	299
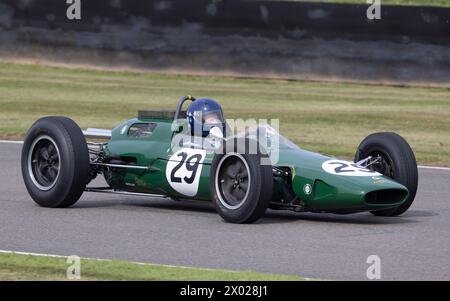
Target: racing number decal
191	165
183	170
345	168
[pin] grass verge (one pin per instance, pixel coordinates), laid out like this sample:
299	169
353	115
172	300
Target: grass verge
444	3
331	118
30	267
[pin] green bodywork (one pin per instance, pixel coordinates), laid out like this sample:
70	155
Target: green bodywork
327	192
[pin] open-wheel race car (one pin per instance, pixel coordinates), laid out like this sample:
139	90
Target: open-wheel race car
159	155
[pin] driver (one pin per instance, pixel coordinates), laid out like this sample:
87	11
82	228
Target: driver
204	114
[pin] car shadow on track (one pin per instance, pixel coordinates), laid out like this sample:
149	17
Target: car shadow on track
271	216
419	213
157	204
356	218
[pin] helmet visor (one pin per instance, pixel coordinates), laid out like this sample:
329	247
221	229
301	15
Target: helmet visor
211	117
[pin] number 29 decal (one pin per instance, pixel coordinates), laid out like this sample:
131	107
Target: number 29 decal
183	170
345	168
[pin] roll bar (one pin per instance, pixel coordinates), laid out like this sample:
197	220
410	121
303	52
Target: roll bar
181	103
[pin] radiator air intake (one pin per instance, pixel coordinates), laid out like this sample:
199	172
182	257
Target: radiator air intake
386	196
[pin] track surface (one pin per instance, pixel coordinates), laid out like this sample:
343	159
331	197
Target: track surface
413	246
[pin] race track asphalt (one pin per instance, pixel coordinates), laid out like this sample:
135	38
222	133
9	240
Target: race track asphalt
415	246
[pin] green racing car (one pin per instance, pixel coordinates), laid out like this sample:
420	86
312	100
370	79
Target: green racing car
197	155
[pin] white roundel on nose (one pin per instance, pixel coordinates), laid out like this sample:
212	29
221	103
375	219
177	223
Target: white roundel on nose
346	168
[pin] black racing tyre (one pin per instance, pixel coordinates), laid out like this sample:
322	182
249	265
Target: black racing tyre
241	187
397	161
55	162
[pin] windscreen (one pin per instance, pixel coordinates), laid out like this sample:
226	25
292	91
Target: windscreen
269	135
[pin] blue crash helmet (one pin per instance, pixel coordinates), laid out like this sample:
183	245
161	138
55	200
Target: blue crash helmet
203	114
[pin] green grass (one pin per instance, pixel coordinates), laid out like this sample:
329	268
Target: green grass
28	267
330	118
389	2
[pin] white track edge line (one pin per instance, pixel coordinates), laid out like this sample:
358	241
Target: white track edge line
434	167
11	142
135	262
101	259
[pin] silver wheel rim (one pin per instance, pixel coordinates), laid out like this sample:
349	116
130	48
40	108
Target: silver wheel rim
219	180
35	163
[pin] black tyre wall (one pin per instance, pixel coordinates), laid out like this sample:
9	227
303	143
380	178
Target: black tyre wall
403	162
261	188
74	161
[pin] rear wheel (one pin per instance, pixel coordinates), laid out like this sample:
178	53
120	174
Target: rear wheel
394	159
241	186
55	162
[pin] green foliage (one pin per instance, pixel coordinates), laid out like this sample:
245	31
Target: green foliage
27	267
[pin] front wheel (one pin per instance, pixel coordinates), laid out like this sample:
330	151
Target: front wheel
241	187
394	159
55	162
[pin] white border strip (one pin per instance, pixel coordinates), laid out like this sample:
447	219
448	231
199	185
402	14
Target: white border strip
144	263
434	167
420	166
11	142
101	259
31	254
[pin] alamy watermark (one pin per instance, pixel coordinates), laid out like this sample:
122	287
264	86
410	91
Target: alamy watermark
374	270
374	10
250	136
73	272
73	11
